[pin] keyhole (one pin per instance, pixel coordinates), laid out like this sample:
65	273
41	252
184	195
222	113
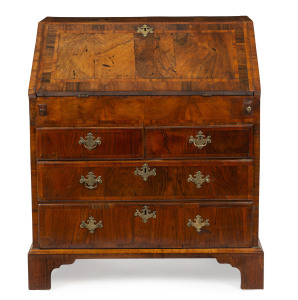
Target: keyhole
145	29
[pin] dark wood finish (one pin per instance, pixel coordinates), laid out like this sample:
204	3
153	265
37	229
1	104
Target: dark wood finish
63	143
256	169
144	110
41	267
42	109
145	96
249	261
228	180
229	226
32	112
136	20
59	226
251	266
173	142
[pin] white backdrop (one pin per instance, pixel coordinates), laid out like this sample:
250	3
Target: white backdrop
276	37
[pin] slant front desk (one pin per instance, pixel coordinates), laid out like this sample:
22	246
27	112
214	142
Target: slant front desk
145	142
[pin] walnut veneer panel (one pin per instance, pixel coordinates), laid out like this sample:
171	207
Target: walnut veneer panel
229	226
220	141
228	180
113	143
111	56
144	110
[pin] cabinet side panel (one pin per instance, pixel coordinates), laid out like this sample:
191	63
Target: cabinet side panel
36	60
254	58
256	170
32	104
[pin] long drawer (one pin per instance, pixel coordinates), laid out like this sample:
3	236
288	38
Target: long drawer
139	110
205	179
135	225
89	143
197	142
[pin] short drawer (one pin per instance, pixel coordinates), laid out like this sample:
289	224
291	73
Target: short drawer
89	143
205	179
193	142
135	225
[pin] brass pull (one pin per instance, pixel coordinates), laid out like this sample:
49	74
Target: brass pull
145	172
200	140
145	30
247	105
91	224
248	109
198	179
198	223
145	214
89	142
91	181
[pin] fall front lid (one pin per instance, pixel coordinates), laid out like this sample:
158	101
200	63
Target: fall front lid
122	56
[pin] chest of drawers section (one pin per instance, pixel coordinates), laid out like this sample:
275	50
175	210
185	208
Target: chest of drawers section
170	171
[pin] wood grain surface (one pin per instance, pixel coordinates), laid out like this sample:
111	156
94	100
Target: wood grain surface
115	143
144	111
191	55
249	261
59	181
174	142
59	226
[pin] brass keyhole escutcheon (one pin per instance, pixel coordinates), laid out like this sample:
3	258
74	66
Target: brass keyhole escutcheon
145	172
145	30
145	214
198	179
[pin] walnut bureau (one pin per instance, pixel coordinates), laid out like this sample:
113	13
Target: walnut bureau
145	137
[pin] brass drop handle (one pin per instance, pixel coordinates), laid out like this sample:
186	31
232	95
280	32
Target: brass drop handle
198	179
91	224
145	172
90	181
145	214
200	140
198	223
90	142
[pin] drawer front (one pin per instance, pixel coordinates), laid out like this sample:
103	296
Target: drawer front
135	225
147	110
89	143
208	179
185	142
